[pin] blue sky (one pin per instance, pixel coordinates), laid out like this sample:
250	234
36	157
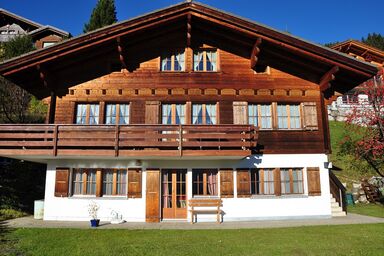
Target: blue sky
318	21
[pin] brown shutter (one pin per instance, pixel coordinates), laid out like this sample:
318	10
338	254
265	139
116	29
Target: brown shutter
152	111
226	183
99	183
243	183
313	178
226	112
137	114
240	112
62	179
276	178
310	116
134	183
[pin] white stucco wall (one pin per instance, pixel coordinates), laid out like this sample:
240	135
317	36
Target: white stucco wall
257	207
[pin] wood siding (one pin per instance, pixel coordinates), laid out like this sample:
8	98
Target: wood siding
235	82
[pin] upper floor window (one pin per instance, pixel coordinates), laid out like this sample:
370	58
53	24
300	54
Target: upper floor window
87	114
204	114
117	114
260	115
173	61
205	60
173	113
288	117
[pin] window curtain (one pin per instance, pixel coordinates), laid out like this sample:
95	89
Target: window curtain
77	182
212	186
198	61
166	63
211	61
253	115
285	185
121	182
110	114
268	182
297	181
210	114
107	182
91	182
81	115
94	114
197	114
124	114
180	114
166	196
167	114
294	112
266	117
282	116
179	61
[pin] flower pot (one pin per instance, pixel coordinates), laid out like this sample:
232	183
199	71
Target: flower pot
95	223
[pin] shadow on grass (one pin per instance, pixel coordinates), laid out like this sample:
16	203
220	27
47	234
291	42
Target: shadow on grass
8	243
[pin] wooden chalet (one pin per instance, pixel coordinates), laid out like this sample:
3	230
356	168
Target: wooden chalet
184	103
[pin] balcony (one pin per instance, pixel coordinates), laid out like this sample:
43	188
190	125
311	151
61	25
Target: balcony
126	141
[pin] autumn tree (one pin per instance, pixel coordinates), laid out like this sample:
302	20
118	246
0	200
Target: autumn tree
365	126
103	14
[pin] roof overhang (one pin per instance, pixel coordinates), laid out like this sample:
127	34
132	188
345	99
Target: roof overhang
88	56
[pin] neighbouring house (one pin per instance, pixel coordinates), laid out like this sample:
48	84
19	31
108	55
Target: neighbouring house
182	103
12	25
354	98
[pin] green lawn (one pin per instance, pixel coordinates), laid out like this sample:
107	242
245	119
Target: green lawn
319	240
375	210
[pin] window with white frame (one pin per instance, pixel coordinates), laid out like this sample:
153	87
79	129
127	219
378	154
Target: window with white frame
174	61
117	114
205	60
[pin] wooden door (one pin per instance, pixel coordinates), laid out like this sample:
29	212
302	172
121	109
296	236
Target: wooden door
152	213
174	194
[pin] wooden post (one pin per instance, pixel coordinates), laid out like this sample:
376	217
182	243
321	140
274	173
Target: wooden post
52	108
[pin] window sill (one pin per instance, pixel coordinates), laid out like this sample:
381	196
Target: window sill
278	197
205	197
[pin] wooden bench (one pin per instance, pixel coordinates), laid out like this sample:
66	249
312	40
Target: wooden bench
206	206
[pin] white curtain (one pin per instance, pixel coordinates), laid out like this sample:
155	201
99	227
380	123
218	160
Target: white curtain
197	114
266	117
179	61
253	115
210	114
81	114
107	182
198	61
94	114
110	114
269	187
282	116
211	61
124	114
294	112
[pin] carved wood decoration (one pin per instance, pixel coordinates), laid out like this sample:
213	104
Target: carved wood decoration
42	75
255	52
120	49
189	28
327	78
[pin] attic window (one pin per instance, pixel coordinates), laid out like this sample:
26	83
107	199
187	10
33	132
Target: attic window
174	61
205	60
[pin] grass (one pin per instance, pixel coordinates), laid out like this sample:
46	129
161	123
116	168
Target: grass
375	210
318	240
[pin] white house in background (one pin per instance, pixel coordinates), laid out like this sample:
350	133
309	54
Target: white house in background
353	99
151	113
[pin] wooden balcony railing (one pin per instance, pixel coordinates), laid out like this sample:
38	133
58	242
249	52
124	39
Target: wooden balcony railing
127	140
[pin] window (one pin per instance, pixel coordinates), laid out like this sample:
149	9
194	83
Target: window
117	114
260	115
255	182
205	60
114	182
87	114
84	182
204	114
173	61
291	180
46	44
288	117
204	182
173	113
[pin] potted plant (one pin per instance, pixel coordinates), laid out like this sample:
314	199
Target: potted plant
93	207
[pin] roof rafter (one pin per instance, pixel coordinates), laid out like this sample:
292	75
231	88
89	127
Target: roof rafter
327	78
189	29
120	50
255	52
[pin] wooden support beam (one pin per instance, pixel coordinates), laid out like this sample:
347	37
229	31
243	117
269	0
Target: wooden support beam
120	50
42	75
327	78
255	52
189	28
52	108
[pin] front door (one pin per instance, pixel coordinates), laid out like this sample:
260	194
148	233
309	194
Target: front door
173	194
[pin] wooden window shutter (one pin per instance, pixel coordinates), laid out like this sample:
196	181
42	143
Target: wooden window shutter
240	112
134	183
152	111
243	183
137	115
277	182
62	180
310	116
226	112
313	179
226	183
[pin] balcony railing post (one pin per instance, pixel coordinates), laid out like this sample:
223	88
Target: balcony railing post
55	138
117	130
180	140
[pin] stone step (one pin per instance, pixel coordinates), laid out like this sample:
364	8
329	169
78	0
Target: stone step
338	209
334	204
338	214
333	200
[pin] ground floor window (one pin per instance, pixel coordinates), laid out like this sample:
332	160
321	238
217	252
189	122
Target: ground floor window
114	182
291	180
84	182
204	182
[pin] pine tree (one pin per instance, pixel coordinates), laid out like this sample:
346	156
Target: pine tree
103	14
374	40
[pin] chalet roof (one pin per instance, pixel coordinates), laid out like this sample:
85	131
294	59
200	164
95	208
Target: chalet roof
360	49
31	23
49	28
90	55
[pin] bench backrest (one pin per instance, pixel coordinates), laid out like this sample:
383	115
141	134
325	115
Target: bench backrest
205	203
